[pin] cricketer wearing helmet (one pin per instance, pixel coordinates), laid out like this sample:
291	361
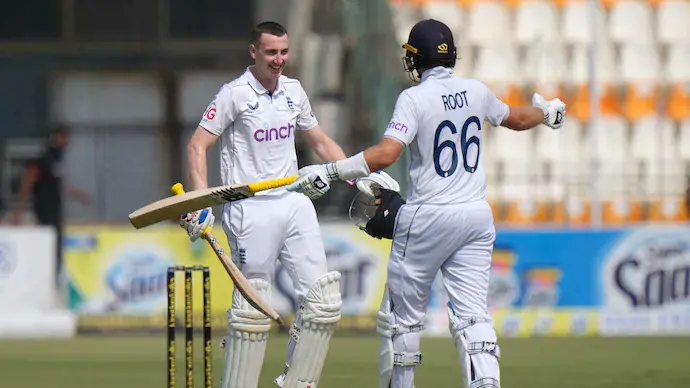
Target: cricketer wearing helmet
446	223
256	117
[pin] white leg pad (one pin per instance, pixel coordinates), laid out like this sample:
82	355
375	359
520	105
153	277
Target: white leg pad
319	315
393	350
245	344
475	339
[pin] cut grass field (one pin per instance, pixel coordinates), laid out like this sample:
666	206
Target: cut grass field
138	362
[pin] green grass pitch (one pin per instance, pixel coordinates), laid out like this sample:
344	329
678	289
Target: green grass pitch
140	361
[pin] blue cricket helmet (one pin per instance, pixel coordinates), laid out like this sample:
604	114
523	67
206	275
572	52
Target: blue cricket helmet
430	43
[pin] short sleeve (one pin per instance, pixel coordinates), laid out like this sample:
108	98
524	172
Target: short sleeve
306	119
403	124
220	113
496	110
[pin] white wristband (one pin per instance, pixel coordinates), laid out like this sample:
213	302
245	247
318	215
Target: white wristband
352	168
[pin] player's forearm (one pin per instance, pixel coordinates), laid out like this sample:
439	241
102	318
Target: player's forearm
329	150
374	158
378	158
523	118
196	165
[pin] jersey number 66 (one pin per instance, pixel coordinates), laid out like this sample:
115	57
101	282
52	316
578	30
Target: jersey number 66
464	146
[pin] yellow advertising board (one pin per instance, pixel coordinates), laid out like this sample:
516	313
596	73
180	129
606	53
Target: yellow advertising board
118	272
117	275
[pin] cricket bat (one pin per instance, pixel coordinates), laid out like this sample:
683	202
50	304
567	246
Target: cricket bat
177	205
240	282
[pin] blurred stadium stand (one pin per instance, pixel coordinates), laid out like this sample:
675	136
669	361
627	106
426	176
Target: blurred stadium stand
131	79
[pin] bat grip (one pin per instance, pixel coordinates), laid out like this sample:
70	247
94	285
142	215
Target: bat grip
178	189
271	184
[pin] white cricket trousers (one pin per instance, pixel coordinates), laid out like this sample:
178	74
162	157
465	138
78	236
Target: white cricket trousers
458	240
280	226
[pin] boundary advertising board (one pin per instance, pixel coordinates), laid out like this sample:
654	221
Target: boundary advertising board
552	282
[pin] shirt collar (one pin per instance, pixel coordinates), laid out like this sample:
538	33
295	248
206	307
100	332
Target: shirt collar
256	85
437	72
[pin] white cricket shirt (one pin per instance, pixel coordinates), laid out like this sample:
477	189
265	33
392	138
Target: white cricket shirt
441	121
257	128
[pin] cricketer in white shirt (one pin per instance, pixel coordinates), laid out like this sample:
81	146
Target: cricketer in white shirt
257	130
256	117
446	224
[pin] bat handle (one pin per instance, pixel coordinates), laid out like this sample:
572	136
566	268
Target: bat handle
178	189
271	184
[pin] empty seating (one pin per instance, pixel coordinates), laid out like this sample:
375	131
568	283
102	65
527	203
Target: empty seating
536	22
608	142
489	22
605	64
497	72
640	69
514	154
672	24
544	64
654	151
449	12
405	14
631	21
559	158
684	144
676	69
576	22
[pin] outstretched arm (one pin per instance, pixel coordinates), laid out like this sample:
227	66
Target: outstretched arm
323	145
550	113
401	131
384	154
523	118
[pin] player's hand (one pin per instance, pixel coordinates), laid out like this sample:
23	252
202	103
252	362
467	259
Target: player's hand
375	180
312	181
554	110
196	222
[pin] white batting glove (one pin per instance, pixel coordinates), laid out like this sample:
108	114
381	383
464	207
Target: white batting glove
554	110
196	222
313	181
375	180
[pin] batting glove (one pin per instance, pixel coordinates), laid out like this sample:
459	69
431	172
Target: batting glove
375	180
312	181
196	222
554	110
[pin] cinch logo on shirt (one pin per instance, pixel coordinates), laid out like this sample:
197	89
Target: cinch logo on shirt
398	126
271	134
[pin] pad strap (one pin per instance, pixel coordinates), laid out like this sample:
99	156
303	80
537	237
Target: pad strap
387	329
407	359
484	347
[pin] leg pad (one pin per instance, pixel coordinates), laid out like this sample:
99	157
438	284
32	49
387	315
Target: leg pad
319	315
245	343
